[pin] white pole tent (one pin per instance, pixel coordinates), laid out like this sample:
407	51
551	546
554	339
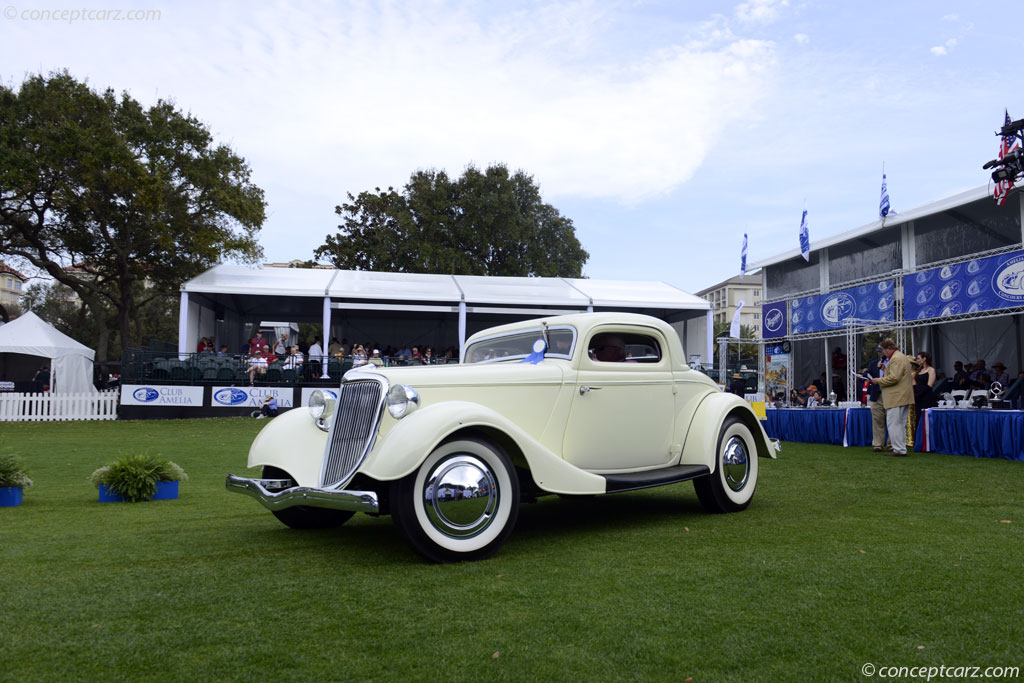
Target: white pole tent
70	362
221	301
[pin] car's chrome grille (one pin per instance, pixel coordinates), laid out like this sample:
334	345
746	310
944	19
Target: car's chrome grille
356	417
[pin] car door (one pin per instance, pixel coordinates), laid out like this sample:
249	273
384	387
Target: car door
623	404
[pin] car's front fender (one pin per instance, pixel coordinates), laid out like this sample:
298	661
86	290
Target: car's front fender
700	443
407	443
292	442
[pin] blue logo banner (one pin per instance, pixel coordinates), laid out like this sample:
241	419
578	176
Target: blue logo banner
875	303
985	284
773	320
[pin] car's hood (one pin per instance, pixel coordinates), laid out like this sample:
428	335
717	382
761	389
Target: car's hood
479	374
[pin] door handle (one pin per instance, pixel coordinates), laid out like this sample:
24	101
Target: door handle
584	389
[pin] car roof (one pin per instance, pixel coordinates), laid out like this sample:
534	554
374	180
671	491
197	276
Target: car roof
583	322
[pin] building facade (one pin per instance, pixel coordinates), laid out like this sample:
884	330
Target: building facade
725	298
12	286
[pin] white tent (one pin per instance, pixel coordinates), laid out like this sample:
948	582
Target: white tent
71	362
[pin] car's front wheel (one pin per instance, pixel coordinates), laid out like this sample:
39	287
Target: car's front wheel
461	504
301	516
730	487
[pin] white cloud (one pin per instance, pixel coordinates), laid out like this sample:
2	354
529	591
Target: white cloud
951	17
802	38
938	50
760	11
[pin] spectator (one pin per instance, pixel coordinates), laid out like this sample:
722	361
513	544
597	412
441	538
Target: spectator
256	343
223	353
404	352
961	379
294	360
1000	374
416	355
334	348
737	386
281	346
257	366
316	356
428	356
375	359
268	409
875	403
813	397
358	356
924	381
979	370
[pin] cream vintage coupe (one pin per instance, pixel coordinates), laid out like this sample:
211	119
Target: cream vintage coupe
574	405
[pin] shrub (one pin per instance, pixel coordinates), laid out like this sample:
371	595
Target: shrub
134	477
13	472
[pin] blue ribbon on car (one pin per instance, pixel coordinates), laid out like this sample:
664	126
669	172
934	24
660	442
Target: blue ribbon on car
539	347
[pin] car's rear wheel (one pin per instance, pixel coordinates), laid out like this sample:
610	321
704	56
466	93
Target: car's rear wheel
304	517
730	487
461	504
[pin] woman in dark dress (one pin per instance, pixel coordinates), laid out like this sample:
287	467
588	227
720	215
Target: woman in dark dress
924	381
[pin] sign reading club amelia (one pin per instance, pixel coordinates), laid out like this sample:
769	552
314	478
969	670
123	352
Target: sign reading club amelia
161	395
773	320
874	302
985	284
249	397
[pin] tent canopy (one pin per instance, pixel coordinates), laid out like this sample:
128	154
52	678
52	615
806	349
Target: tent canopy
367	301
71	366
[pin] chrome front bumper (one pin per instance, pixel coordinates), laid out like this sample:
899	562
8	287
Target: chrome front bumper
334	499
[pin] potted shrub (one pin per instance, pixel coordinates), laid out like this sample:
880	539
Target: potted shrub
135	478
13	479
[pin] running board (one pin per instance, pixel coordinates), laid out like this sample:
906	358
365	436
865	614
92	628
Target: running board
616	483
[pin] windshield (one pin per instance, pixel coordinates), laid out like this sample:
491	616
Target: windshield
516	346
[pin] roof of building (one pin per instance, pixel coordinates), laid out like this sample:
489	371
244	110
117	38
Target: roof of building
744	280
4	268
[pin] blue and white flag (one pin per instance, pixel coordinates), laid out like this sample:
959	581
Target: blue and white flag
883	203
805	238
743	257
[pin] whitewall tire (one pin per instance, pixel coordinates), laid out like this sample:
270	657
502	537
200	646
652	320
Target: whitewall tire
730	487
461	504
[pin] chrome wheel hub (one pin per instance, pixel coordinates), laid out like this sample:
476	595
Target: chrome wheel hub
735	463
460	496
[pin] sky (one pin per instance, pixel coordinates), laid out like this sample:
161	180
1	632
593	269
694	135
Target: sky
665	130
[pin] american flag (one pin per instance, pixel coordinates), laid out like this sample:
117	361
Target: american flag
1007	145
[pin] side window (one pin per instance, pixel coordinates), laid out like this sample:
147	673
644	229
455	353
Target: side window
621	347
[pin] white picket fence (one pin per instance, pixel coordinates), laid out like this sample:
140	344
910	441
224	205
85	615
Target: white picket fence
52	407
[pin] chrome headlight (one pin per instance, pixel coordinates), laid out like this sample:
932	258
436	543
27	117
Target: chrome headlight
321	409
402	400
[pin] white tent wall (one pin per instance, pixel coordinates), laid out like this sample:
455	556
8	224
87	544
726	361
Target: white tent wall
71	375
207	325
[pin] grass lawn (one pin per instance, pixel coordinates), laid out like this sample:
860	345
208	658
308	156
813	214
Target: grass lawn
844	558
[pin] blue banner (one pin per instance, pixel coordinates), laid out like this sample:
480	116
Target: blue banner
773	320
875	303
985	284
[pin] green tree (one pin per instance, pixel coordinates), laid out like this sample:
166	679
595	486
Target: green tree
126	195
486	222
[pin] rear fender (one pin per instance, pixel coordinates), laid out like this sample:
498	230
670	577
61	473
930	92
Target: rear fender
402	449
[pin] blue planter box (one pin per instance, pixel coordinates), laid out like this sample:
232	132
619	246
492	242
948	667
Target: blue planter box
165	490
10	496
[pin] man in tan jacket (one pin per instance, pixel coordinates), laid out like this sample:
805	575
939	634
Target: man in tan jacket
898	395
